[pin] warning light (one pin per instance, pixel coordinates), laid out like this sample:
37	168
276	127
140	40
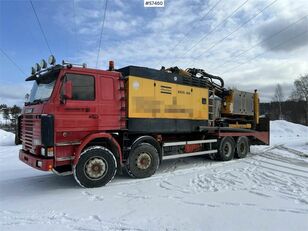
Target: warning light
111	65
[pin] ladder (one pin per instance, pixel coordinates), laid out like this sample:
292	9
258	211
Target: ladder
211	107
123	109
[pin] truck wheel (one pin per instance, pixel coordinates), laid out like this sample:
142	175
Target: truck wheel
242	147
226	149
96	167
142	161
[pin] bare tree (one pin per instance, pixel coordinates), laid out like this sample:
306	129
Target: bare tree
301	91
279	97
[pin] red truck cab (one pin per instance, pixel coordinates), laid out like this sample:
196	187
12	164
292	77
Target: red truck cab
69	106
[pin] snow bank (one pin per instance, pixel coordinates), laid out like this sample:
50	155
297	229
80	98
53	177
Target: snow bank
282	128
287	133
6	138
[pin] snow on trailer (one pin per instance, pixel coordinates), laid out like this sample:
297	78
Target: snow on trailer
93	123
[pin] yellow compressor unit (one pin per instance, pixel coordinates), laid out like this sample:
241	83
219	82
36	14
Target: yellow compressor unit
165	102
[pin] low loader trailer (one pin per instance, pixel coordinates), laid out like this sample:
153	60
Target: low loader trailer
94	123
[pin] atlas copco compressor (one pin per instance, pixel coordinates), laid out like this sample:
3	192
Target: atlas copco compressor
94	123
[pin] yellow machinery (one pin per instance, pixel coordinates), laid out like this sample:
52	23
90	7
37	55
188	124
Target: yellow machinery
173	100
149	98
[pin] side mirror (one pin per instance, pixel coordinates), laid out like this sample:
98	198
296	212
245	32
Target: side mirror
27	96
68	90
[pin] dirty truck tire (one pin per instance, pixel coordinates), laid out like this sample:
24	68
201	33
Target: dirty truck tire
142	161
242	147
226	149
96	167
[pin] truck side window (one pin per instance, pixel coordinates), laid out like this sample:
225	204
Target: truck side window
83	86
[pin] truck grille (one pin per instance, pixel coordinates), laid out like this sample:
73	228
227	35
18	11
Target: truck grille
30	130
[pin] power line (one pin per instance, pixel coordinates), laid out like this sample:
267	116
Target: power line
211	31
75	25
264	40
101	35
74	12
239	27
193	27
40	25
12	61
278	45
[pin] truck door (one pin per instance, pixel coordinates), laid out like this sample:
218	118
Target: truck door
80	113
109	104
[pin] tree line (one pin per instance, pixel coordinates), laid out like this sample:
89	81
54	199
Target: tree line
293	108
9	116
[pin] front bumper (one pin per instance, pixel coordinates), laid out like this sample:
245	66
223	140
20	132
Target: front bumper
35	161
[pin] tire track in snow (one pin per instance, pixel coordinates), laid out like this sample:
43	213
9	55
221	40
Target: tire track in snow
92	197
30	219
258	177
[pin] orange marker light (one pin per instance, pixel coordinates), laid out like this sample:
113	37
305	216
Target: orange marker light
111	65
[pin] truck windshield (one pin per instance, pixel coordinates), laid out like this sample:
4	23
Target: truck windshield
42	88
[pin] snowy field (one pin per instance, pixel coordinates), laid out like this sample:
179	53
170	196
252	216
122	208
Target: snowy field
268	190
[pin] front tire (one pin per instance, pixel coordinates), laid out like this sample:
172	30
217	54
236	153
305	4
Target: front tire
142	161
226	149
96	167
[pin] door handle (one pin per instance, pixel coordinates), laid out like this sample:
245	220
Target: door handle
93	116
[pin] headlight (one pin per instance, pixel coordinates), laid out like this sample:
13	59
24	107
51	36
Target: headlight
43	151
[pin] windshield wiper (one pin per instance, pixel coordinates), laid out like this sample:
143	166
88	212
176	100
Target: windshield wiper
37	101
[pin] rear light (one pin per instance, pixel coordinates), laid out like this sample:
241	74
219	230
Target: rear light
50	152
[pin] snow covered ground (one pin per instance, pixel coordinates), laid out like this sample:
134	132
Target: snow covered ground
6	138
268	190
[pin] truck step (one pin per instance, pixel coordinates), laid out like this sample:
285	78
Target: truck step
189	154
189	142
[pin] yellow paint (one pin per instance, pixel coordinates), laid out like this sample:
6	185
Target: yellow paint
149	98
237	125
256	105
228	107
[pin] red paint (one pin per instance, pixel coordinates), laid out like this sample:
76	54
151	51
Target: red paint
262	136
192	148
95	136
32	161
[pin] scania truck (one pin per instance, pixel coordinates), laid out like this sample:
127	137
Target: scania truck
94	123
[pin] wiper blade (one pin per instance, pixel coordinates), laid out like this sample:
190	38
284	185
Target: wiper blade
37	101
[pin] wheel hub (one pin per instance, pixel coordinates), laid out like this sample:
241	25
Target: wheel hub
95	168
242	147
143	161
227	149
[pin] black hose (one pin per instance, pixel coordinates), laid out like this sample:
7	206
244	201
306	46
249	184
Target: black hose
204	74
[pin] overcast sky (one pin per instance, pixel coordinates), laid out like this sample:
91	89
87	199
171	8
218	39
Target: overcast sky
252	44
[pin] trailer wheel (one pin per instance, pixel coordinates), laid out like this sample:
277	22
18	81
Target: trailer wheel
226	149
242	147
142	161
96	167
